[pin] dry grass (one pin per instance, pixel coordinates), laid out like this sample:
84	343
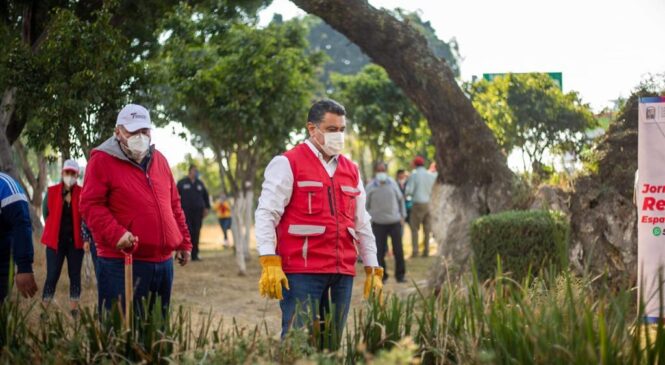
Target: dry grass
213	284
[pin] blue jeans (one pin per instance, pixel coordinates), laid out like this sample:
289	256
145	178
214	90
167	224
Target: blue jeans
151	280
315	293
225	223
93	255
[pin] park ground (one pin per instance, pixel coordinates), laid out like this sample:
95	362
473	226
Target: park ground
214	286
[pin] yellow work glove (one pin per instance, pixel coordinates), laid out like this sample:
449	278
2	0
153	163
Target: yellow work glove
272	277
374	281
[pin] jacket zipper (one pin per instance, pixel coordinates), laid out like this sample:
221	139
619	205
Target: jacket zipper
330	201
154	196
333	208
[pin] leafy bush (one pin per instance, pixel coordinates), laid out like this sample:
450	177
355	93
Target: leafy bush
524	240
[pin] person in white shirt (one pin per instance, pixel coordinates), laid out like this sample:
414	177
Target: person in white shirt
311	225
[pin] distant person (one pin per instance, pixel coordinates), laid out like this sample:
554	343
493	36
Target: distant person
131	203
419	187
62	235
15	239
402	177
223	209
195	203
385	204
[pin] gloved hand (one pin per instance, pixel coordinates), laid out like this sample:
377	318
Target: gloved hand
272	277
374	281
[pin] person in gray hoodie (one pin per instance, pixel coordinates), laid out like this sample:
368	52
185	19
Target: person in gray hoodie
385	203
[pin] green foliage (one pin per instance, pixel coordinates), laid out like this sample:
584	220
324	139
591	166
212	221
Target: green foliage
382	115
241	89
530	112
524	240
552	319
86	75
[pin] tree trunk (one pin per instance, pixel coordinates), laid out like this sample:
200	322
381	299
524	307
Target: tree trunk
474	178
240	227
7	107
36	184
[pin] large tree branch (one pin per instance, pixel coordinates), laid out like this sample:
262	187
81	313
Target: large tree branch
471	155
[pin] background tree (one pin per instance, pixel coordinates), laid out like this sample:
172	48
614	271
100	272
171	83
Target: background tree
381	114
530	112
472	169
86	76
242	90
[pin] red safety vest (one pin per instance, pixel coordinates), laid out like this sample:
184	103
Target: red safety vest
316	234
52	227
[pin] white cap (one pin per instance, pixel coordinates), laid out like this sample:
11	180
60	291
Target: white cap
134	117
71	165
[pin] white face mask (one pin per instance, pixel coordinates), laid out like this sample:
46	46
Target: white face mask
138	143
333	143
381	176
68	180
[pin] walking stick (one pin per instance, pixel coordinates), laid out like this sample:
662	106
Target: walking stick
129	283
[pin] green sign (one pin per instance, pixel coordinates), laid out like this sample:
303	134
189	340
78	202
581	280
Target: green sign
556	76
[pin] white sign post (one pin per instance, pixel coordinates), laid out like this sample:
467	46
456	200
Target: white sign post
650	200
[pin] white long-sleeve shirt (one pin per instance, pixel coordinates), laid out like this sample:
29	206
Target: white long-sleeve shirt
276	194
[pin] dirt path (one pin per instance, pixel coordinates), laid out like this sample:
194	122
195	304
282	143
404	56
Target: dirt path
213	284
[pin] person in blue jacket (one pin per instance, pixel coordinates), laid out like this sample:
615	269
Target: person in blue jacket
15	238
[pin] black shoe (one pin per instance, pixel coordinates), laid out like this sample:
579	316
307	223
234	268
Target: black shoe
401	280
75	313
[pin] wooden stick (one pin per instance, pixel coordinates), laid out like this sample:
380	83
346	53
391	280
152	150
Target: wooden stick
129	290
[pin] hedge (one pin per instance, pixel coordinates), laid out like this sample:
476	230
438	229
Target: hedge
524	240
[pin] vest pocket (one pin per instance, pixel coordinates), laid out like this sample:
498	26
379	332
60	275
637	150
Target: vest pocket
306	231
349	195
309	196
356	241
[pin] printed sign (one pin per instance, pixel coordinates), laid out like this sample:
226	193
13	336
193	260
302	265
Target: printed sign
650	200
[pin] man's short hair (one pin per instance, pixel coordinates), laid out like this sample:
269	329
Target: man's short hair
321	107
400	171
380	163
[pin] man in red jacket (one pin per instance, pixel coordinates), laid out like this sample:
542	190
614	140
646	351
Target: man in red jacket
130	202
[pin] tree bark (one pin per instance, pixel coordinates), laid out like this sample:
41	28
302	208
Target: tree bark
474	178
36	183
7	107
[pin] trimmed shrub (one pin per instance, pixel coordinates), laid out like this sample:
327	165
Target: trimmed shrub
524	240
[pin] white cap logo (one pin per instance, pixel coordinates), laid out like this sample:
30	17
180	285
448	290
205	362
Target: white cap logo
134	117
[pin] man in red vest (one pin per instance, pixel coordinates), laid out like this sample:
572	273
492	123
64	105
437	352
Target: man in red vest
311	225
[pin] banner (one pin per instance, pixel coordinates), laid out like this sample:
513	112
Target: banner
650	201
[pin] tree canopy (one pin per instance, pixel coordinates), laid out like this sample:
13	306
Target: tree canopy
241	89
529	111
381	114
